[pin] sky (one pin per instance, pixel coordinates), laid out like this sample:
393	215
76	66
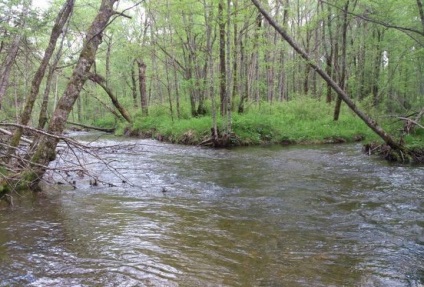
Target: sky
42	4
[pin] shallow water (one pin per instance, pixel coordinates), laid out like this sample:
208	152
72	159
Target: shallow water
260	216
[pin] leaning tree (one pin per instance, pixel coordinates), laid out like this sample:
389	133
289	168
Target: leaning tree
372	124
43	148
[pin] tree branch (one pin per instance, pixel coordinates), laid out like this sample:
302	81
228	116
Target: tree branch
379	22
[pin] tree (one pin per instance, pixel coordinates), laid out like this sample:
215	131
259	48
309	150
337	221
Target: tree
61	20
142	85
45	146
342	80
341	93
6	67
222	64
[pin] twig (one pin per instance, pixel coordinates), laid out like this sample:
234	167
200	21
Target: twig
10	133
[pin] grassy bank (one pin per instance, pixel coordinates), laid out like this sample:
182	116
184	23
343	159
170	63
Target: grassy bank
299	121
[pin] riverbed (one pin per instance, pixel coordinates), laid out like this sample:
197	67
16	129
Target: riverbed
171	215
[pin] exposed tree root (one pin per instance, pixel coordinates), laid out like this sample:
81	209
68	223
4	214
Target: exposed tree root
221	140
414	155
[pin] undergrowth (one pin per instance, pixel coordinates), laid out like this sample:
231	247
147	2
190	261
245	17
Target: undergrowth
303	120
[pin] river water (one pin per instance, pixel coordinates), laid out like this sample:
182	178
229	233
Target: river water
187	216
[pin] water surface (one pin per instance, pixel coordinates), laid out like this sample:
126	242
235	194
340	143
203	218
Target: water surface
188	216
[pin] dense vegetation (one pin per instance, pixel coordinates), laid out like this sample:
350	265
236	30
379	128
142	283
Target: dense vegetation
372	48
187	70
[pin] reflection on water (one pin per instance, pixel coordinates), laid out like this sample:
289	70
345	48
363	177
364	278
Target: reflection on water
292	216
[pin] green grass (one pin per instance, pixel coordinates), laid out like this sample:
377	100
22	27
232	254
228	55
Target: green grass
303	120
189	131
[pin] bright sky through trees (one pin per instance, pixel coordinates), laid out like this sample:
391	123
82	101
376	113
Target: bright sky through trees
42	4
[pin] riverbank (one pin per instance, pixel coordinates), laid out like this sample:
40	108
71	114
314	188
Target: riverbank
295	122
299	121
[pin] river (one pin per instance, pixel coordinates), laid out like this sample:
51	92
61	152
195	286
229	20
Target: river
187	216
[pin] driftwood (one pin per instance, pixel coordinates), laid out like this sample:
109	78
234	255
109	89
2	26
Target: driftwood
91	127
410	124
9	133
73	159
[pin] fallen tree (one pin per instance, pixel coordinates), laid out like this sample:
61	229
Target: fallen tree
394	144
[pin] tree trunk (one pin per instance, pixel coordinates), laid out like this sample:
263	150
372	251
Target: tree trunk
46	145
142	85
107	64
60	22
42	119
282	85
134	85
177	89
421	11
376	66
329	52
228	72
168	88
367	120
222	71
234	93
102	83
8	63
342	81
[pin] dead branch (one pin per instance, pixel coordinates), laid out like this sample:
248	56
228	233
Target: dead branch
10	133
101	81
91	127
408	120
73	160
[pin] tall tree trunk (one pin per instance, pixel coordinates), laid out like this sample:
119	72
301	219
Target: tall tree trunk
421	11
367	120
134	84
329	51
222	70
376	66
168	88
228	69
61	20
142	85
269	67
208	65
342	81
282	85
235	56
177	89
108	53
43	117
46	146
7	66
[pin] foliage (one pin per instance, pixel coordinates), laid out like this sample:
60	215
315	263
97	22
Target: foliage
283	99
302	120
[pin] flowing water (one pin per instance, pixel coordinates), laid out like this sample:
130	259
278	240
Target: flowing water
188	216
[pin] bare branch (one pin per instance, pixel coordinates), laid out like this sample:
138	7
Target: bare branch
379	22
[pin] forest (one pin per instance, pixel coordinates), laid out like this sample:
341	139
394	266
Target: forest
210	72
